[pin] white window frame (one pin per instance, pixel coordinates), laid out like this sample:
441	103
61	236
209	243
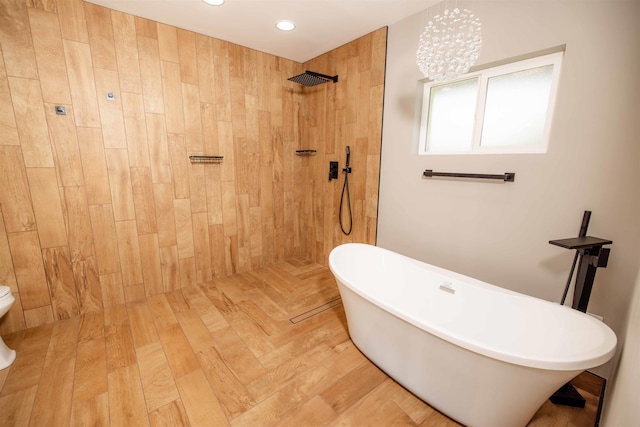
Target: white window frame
483	75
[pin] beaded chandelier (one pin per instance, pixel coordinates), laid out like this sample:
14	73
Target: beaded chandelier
449	45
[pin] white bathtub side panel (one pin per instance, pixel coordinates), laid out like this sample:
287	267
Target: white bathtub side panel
472	389
478	316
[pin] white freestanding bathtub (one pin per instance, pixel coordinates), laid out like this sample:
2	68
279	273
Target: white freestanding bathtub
483	355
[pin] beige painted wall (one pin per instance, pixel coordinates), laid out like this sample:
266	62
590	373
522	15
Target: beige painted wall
621	406
499	232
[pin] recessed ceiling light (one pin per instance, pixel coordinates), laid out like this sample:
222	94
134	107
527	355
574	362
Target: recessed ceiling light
285	25
214	2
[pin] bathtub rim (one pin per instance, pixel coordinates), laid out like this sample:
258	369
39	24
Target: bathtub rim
594	358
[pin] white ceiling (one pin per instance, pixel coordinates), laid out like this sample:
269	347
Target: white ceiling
321	25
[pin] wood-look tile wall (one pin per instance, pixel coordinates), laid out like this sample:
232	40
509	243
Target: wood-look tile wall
102	206
332	117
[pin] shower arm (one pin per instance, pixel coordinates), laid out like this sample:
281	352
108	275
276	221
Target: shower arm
324	76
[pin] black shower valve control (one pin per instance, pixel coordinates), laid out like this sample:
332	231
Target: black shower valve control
333	170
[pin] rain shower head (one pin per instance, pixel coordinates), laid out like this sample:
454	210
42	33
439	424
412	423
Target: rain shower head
309	78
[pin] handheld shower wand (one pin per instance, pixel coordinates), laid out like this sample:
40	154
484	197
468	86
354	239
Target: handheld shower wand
583	232
345	189
348	157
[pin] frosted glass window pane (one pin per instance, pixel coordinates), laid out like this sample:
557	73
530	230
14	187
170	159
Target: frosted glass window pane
516	108
452	110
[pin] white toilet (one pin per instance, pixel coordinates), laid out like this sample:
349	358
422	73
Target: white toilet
7	356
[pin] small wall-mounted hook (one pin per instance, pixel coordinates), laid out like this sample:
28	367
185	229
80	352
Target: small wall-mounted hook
61	110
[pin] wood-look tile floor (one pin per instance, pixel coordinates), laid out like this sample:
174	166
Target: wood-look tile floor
221	354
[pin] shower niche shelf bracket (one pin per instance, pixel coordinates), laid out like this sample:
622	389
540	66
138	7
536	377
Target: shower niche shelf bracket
305	153
206	159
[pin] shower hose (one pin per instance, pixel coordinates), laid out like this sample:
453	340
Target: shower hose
345	190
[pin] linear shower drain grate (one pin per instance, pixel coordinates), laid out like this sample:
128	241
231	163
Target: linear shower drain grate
316	310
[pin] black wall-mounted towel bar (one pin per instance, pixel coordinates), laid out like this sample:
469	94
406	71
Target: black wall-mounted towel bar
507	176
